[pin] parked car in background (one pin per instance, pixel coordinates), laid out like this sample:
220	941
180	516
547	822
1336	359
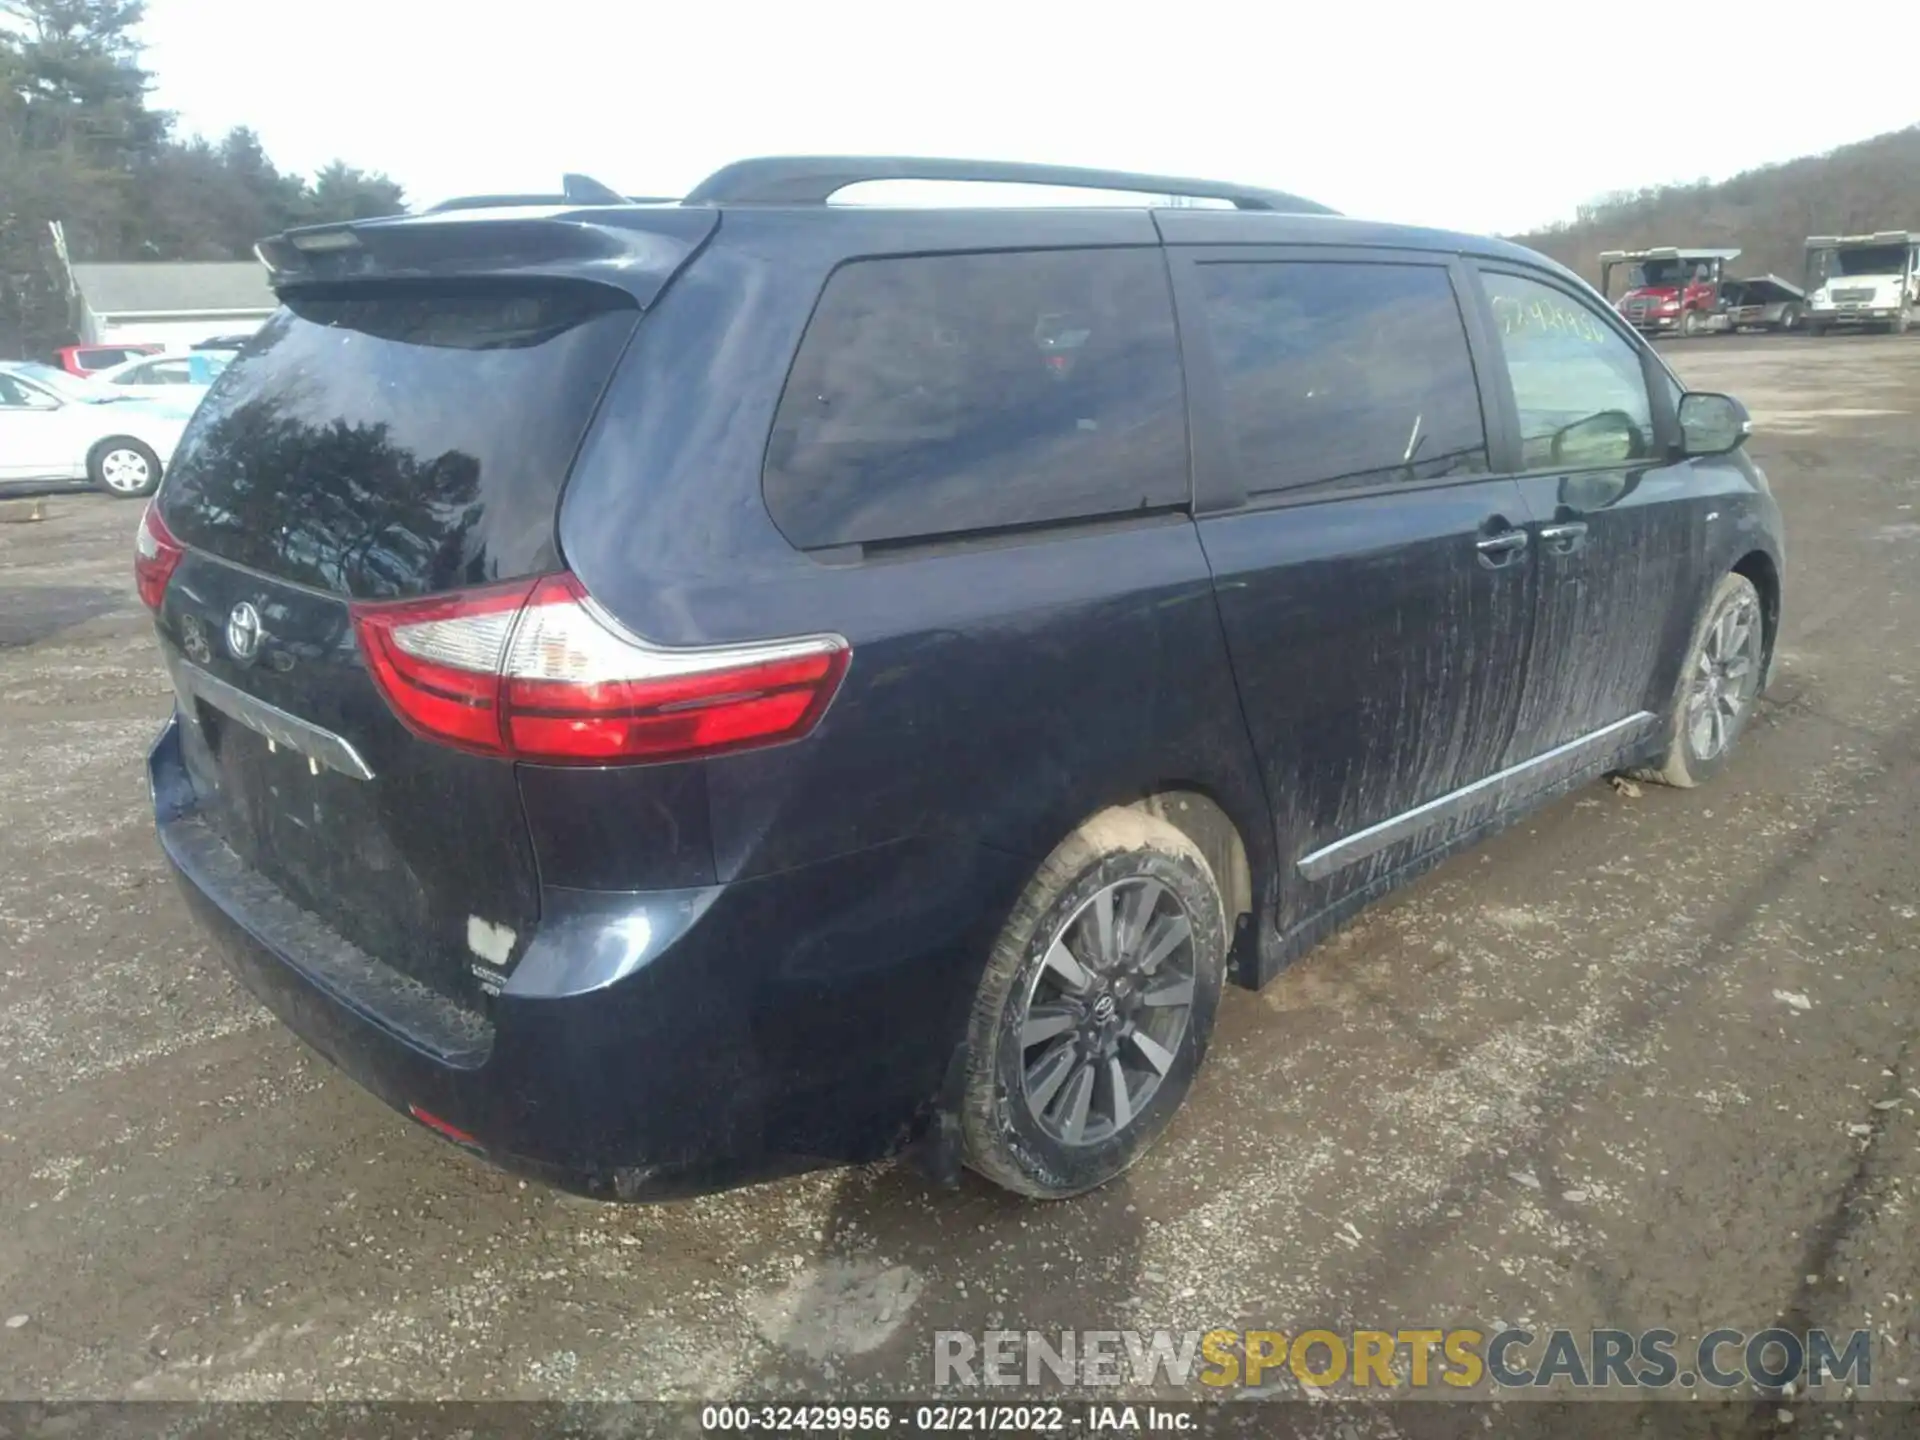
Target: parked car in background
86	360
57	429
672	694
186	376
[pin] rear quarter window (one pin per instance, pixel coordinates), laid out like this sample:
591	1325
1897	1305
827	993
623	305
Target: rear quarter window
947	394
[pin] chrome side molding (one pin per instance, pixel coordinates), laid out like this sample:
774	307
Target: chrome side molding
1495	789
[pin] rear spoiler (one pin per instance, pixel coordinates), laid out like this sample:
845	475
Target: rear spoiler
575	189
636	249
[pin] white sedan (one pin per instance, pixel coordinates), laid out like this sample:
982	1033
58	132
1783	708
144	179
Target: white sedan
56	428
182	377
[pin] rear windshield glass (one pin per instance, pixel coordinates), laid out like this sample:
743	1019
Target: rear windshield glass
398	440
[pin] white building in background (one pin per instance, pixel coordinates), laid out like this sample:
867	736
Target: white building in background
175	304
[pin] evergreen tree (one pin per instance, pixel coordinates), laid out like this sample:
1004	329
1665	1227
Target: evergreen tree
80	146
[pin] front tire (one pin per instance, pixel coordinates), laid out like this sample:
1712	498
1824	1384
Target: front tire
1095	1009
125	468
1689	324
1719	686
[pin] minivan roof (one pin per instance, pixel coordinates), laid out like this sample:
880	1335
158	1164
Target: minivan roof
590	225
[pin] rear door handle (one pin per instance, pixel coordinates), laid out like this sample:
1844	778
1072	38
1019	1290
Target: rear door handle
1501	549
1564	537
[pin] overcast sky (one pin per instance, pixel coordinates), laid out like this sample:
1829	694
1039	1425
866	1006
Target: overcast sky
1488	116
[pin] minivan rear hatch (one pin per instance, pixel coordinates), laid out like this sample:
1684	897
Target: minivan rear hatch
383	438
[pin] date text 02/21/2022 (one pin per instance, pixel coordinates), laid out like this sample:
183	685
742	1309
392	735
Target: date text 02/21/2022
945	1418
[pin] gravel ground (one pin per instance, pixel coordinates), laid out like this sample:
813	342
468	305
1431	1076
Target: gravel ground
1642	1061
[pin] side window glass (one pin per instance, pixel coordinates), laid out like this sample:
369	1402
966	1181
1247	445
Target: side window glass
1577	383
937	395
15	395
1344	373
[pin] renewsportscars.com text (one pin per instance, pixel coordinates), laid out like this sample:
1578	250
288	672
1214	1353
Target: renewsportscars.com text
1428	1358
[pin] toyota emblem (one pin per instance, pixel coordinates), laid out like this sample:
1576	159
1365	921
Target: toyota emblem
243	632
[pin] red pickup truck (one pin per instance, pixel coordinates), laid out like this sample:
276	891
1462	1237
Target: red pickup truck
86	359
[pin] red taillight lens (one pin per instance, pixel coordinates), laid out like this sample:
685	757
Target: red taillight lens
435	1123
438	661
537	671
155	555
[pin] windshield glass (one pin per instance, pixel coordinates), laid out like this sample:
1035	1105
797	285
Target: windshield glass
1670	272
1857	260
351	449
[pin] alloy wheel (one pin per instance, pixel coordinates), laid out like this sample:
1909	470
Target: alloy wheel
1726	677
1107	1011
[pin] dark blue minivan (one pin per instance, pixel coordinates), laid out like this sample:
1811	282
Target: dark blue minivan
675	693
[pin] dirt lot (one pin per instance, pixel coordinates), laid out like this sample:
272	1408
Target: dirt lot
1556	1082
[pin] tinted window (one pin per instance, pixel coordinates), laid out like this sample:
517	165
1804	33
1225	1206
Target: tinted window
1344	373
399	439
1577	382
954	393
160	372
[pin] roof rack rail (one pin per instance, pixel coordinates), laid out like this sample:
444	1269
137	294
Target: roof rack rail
813	180
575	189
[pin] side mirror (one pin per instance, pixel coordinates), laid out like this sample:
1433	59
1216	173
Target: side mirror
1712	424
1610	438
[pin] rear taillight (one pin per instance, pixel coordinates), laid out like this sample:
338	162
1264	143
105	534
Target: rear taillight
155	555
435	1123
537	671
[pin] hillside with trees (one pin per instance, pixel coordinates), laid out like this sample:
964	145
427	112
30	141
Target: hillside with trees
80	145
1767	213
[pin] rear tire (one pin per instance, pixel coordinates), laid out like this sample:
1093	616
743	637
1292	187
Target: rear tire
124	468
1718	689
1076	1064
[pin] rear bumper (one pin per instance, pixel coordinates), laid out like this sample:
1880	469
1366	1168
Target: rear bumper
648	1044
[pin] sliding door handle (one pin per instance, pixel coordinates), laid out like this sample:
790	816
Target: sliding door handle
1564	537
1507	542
